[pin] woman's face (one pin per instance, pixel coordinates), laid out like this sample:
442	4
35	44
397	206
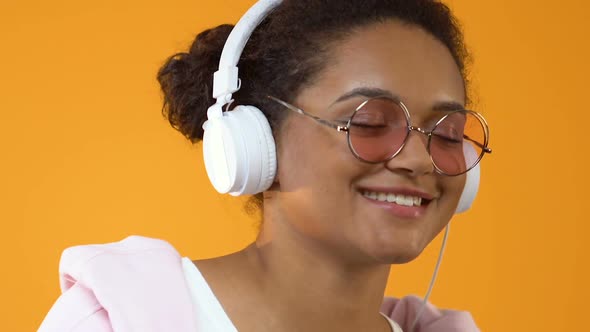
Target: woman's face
322	184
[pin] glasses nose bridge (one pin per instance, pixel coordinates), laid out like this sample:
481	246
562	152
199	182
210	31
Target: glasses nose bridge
426	143
419	130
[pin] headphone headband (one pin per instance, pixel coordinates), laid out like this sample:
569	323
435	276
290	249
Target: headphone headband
226	80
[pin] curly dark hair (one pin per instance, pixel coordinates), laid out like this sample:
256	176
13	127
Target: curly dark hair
286	52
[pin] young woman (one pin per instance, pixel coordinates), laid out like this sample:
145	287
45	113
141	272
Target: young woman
367	157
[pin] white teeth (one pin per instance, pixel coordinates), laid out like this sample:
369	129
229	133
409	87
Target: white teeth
393	198
409	200
417	201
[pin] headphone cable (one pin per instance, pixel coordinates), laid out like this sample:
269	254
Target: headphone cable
436	268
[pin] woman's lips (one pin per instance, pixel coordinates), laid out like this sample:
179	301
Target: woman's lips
406	212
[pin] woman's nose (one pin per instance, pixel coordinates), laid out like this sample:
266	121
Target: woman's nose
413	159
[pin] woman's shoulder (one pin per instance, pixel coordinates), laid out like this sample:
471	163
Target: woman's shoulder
138	279
81	254
404	310
81	262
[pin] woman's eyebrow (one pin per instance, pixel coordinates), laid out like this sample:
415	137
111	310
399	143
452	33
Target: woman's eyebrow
368	92
448	106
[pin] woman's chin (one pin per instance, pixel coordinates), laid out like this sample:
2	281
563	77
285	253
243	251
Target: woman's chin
399	252
403	258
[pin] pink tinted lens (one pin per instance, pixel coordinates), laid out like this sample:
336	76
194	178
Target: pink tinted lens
378	130
458	131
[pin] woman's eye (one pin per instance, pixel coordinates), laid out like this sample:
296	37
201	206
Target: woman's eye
368	125
449	136
368	121
450	132
449	139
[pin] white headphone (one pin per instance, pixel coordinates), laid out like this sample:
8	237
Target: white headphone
238	146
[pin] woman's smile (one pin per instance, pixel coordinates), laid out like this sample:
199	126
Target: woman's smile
403	203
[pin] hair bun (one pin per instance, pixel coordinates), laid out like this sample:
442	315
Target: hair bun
186	80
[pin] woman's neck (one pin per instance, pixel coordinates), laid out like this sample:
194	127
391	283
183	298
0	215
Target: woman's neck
303	277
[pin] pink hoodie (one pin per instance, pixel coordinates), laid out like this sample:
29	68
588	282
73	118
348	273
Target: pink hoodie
138	285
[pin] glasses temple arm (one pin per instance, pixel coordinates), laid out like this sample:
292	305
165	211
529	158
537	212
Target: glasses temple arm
302	112
485	148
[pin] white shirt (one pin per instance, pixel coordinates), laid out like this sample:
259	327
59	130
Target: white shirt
209	313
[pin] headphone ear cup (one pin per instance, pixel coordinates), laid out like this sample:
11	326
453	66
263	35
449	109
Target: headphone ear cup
471	182
239	152
219	154
268	154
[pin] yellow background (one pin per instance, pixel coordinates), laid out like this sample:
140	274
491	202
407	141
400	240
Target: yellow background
87	158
